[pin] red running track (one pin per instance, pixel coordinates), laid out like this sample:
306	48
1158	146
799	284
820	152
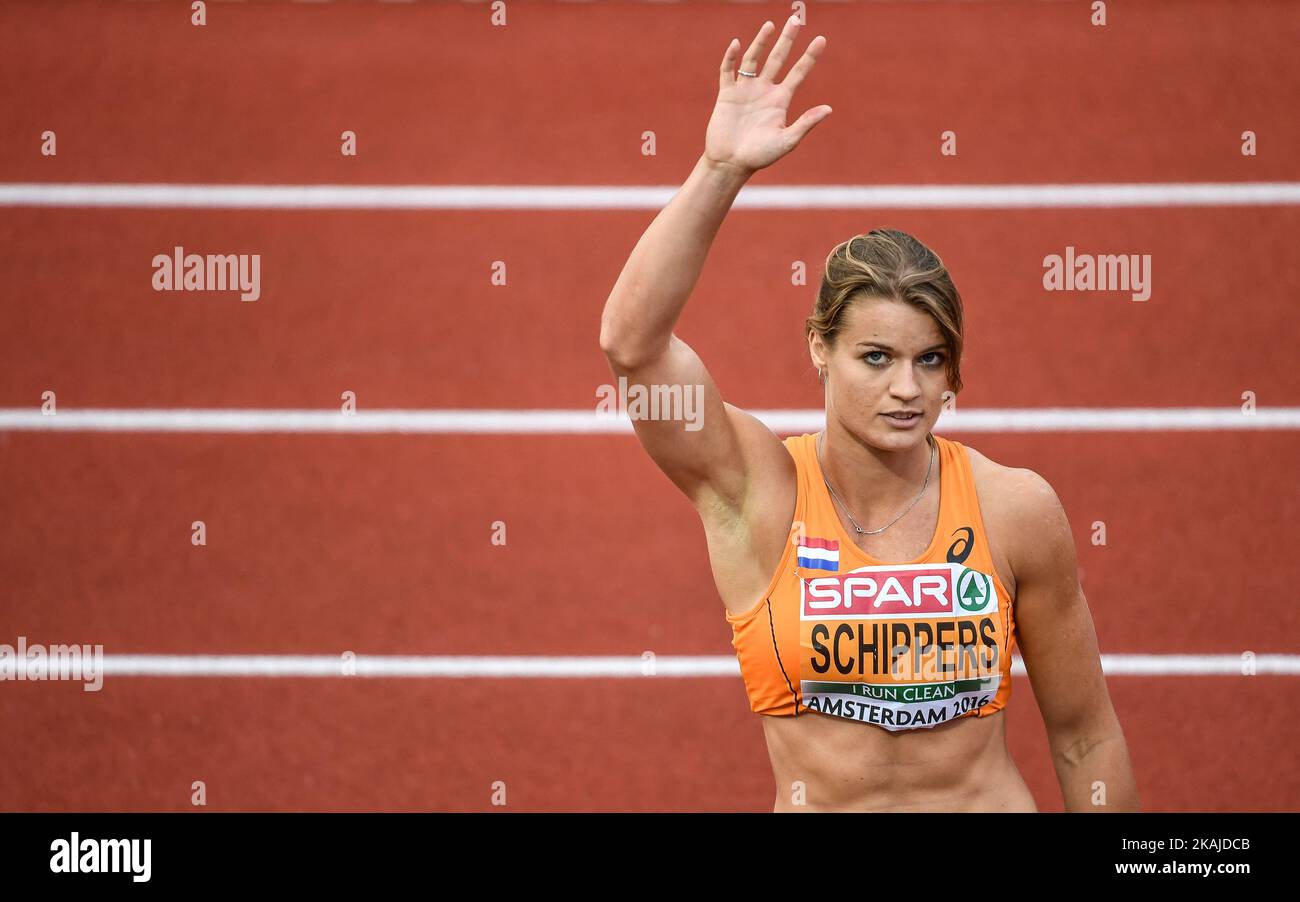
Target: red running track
380	544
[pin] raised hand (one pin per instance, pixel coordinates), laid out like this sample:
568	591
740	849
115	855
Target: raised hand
747	129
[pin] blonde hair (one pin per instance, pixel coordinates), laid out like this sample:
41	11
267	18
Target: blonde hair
889	264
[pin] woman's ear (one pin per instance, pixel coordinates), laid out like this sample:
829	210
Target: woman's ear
817	351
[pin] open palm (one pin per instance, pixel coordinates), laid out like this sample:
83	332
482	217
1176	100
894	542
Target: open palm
748	129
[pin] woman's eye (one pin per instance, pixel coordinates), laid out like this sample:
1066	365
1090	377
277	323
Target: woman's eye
934	358
874	357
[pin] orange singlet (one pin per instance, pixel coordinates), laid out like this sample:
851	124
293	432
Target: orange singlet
903	646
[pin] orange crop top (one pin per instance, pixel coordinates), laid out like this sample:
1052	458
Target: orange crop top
904	646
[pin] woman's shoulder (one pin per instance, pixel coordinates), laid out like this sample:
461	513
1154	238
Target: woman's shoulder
1013	487
1021	511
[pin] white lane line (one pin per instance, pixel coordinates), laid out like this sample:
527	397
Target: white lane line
577	422
591	666
641	197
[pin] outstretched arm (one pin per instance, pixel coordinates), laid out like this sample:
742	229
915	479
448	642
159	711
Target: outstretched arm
747	131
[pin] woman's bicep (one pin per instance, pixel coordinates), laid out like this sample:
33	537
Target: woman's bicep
708	448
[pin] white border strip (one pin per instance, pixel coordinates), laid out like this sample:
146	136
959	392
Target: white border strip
595	666
578	422
632	197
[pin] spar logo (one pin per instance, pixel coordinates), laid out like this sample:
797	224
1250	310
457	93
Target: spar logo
910	590
974	591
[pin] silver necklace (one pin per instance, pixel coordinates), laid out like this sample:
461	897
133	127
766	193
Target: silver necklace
874	532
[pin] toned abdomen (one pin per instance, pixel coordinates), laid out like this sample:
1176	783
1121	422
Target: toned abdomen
830	764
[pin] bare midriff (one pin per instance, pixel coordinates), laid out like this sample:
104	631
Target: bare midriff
826	763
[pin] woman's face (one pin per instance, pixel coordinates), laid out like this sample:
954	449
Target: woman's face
889	357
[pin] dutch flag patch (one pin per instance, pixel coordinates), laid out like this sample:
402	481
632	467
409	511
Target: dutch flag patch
818	554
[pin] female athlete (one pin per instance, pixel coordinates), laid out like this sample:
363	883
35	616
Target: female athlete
876	576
